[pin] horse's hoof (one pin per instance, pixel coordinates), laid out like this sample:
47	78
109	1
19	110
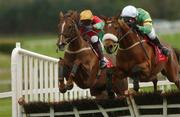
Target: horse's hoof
111	95
21	101
62	89
69	86
136	89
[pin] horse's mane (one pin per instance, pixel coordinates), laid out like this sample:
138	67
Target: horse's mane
73	14
122	23
114	18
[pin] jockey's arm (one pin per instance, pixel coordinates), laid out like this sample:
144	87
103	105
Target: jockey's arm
146	27
99	25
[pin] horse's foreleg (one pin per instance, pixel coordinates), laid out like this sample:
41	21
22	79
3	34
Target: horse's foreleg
62	88
109	74
69	84
171	70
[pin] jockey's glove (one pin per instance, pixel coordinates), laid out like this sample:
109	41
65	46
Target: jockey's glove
134	26
88	28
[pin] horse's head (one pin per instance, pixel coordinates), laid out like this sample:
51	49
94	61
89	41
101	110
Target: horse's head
112	30
67	28
115	30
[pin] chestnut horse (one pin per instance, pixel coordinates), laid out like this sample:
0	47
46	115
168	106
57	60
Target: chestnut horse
80	63
135	57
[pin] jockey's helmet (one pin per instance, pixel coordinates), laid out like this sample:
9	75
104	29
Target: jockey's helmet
86	15
129	11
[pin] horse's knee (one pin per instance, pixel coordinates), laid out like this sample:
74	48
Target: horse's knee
62	70
61	61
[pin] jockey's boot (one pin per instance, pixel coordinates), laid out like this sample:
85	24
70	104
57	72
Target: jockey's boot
164	49
98	49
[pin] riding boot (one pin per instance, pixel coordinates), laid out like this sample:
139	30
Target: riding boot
164	49
98	49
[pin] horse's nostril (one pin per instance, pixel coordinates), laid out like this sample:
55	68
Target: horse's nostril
111	46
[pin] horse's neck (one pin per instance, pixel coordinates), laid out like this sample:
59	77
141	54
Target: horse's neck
77	44
129	40
131	37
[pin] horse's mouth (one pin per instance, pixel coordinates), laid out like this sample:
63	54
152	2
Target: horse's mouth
109	49
62	46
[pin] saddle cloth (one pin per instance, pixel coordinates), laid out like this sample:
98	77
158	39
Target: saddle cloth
160	57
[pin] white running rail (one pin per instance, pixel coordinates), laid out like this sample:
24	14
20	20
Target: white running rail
35	78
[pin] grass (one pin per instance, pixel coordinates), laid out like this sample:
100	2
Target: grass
173	40
5	74
5	87
5	61
43	46
166	88
5	107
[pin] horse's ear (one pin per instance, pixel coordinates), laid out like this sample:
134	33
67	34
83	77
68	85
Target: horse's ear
61	15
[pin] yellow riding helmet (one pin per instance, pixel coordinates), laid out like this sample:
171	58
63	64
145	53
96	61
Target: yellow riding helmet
86	15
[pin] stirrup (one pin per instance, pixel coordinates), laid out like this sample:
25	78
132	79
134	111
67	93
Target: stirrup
102	64
165	51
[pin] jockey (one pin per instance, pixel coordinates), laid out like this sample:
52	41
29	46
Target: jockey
93	27
140	20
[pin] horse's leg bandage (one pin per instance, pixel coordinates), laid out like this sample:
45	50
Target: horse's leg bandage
75	68
61	70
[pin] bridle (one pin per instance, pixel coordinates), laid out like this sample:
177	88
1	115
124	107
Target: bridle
120	31
67	37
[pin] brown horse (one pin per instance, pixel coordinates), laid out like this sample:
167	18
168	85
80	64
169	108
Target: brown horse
135	57
80	63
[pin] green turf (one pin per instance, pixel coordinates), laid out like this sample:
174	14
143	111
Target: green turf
5	107
173	39
5	87
5	61
42	46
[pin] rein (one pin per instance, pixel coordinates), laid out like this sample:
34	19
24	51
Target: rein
137	43
110	22
71	39
129	31
78	51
